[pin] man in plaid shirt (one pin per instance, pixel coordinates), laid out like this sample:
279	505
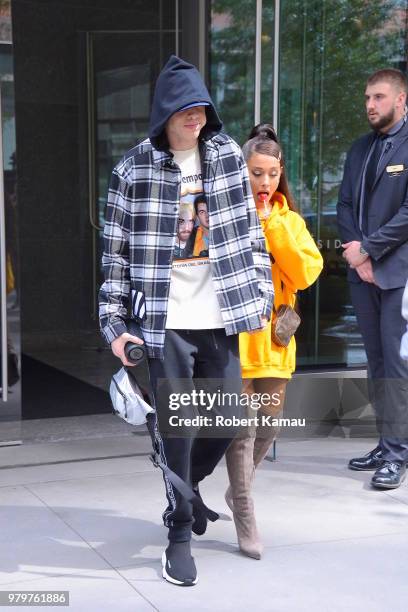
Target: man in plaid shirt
190	310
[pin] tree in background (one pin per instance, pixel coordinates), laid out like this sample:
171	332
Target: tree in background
327	50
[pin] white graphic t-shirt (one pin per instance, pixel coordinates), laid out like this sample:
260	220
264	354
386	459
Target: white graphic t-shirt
193	303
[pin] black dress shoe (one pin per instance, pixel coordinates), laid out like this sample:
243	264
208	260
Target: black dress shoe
389	476
371	461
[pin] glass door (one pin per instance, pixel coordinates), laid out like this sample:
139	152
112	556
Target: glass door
10	381
122	70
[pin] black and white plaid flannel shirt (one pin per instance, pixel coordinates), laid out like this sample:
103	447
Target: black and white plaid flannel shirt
140	234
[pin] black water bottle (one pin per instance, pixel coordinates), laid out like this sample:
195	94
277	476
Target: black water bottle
135	353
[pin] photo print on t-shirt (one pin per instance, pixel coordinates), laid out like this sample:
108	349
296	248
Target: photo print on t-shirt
191	282
192	226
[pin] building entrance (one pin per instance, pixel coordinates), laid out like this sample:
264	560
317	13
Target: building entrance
84	76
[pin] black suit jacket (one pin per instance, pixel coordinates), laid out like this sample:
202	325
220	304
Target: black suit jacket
387	239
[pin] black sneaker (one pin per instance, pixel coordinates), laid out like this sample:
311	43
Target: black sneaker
200	521
371	461
389	476
178	564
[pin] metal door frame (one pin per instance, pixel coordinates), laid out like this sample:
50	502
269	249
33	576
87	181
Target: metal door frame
3	271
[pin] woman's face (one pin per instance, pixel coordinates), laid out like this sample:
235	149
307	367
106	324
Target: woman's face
264	173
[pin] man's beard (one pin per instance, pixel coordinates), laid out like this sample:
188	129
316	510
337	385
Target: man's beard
383	121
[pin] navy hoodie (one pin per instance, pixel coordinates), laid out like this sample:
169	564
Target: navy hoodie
179	84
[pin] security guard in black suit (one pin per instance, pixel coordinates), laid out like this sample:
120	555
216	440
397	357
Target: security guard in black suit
372	215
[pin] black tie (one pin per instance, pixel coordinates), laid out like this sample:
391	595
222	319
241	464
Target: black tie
370	176
372	166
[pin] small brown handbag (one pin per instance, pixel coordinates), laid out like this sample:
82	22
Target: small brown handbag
284	325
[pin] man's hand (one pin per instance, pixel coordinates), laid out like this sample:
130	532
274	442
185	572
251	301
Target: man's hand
118	347
352	253
365	271
264	321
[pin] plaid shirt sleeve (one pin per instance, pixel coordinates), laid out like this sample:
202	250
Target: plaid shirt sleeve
260	255
114	292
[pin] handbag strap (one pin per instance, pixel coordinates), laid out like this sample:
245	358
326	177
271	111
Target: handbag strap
182	487
123	395
186	491
278	298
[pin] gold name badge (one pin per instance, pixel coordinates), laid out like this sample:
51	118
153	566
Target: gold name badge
397	168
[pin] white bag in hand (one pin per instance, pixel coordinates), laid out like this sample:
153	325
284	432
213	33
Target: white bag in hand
127	399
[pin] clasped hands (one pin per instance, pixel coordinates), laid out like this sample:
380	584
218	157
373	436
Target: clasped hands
358	262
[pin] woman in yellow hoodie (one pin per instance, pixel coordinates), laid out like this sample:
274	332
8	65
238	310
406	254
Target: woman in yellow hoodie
266	367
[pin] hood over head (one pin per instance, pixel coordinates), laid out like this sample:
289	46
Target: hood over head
179	85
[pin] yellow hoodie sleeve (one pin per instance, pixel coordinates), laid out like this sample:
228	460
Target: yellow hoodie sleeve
293	249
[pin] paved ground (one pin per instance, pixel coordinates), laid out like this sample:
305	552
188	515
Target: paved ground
71	519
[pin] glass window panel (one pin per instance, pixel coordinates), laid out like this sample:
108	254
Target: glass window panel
327	50
232	65
124	71
168	13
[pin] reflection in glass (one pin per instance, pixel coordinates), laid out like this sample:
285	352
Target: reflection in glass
327	50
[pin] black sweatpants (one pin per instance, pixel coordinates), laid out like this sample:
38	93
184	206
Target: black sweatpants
194	360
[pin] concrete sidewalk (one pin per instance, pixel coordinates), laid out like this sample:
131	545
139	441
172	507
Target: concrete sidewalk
78	521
